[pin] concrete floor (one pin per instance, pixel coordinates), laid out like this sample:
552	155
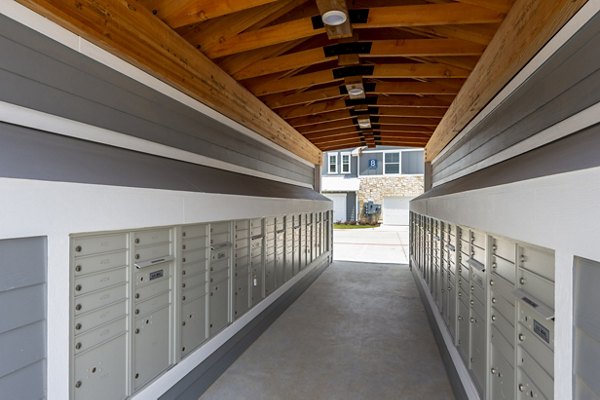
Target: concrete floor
359	332
384	244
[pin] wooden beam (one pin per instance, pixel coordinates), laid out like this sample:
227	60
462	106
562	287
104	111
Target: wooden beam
349	125
317	136
130	31
384	120
379	48
320	118
528	26
429	15
318	109
350	138
340	31
268	85
398	16
186	12
481	34
496	5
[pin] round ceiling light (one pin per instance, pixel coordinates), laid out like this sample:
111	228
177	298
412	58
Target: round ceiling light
334	17
355	91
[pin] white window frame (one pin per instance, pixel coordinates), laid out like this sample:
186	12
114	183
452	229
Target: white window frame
342	155
337	164
399	152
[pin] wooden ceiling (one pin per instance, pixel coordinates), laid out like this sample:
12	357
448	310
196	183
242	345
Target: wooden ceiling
410	58
427	67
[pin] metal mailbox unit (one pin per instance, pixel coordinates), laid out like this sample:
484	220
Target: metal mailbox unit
195	251
257	240
100	310
498	305
219	300
280	250
270	247
290	246
241	268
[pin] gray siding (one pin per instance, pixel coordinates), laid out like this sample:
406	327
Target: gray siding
46	76
364	164
30	154
566	84
23	318
353	165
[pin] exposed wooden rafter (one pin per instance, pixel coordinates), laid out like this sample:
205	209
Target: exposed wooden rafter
129	30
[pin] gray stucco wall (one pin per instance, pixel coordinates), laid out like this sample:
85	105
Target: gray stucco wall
43	75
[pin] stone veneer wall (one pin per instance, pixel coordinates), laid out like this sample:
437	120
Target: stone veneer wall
377	187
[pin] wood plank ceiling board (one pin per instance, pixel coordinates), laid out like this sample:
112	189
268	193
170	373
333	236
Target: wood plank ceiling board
392	67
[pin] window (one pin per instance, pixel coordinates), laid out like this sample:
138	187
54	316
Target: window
345	163
332	163
412	162
392	163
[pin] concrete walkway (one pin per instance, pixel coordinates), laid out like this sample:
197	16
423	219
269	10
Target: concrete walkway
359	332
385	244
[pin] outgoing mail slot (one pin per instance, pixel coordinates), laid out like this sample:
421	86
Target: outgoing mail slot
99	299
144	238
85	322
86	245
104	333
194	231
100	262
536	286
147	307
89	283
152	252
100	374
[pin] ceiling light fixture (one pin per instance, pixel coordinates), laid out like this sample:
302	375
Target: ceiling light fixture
355	91
364	123
334	17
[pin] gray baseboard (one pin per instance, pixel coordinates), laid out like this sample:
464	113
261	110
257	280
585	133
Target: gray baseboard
205	374
455	381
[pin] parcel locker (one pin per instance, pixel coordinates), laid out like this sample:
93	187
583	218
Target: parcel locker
194	270
100	275
241	267
153	306
256	261
219	272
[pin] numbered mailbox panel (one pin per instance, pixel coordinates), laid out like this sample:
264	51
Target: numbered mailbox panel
143	299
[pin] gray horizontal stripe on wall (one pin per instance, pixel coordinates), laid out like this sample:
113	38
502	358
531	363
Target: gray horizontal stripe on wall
44	75
23	318
31	154
567	83
572	153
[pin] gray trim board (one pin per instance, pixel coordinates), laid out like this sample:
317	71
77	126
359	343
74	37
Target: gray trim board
31	154
567	83
199	380
44	75
455	381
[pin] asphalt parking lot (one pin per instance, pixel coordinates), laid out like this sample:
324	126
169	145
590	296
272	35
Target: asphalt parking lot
384	244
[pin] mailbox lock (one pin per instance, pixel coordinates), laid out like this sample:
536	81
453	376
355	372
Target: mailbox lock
137	256
521	387
137	241
493	371
494	247
521	337
183	234
78	249
183	298
491	282
137	311
473	320
183	259
78	307
472	302
183	285
137	331
494	300
493	317
78	326
78	346
494	265
183	247
459	294
183	323
137	376
78	268
183	272
78	288
78	384
137	295
522	281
